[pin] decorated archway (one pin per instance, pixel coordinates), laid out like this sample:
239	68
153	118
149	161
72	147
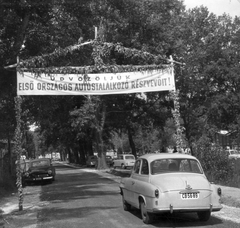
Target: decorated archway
36	77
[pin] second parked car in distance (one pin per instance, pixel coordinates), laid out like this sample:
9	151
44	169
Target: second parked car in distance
233	154
92	160
124	161
109	160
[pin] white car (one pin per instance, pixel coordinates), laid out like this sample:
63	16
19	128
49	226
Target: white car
169	182
124	161
233	154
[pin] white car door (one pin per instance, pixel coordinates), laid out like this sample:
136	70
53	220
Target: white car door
128	193
118	161
134	182
141	181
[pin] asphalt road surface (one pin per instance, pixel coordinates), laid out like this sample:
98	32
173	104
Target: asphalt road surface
83	198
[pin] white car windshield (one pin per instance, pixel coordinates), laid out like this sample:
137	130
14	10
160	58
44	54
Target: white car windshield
234	152
130	157
175	165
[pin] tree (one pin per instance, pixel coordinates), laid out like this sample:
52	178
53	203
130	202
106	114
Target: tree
200	50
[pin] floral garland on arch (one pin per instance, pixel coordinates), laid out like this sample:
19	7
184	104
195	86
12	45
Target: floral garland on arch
18	150
93	69
174	95
40	64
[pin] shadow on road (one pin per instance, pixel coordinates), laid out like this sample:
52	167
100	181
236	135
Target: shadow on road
120	173
178	220
56	213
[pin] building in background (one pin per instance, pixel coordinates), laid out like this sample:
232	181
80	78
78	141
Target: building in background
228	140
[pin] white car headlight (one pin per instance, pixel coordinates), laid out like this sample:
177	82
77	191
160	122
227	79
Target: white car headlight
49	171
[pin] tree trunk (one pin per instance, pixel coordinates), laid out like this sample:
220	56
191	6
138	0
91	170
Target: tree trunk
101	154
100	126
131	142
10	155
82	151
76	155
21	32
89	146
70	155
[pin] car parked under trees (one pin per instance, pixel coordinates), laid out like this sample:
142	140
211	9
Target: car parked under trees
39	170
124	161
92	161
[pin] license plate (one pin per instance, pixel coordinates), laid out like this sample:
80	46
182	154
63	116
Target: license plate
38	178
190	195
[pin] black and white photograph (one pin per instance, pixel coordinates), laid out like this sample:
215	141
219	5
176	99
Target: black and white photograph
119	113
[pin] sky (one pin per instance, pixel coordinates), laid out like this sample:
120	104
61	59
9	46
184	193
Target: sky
218	7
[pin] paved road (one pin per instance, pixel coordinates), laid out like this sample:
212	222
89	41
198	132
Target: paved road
86	199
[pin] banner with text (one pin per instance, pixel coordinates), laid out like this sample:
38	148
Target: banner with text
95	84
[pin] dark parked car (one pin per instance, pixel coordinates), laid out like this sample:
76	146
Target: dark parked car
39	170
109	160
92	161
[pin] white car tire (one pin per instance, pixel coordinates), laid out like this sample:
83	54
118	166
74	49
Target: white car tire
146	216
126	205
204	215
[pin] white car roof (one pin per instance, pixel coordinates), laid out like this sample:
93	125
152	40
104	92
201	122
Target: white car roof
41	159
152	157
127	154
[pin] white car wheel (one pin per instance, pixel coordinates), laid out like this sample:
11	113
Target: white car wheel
146	216
204	215
126	206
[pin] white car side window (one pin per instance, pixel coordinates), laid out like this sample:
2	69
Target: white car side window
145	168
195	167
137	166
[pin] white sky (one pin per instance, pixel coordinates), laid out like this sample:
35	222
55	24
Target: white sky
218	7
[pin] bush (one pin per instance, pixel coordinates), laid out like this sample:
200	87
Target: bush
216	165
7	179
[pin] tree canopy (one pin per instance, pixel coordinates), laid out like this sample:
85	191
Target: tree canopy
41	32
